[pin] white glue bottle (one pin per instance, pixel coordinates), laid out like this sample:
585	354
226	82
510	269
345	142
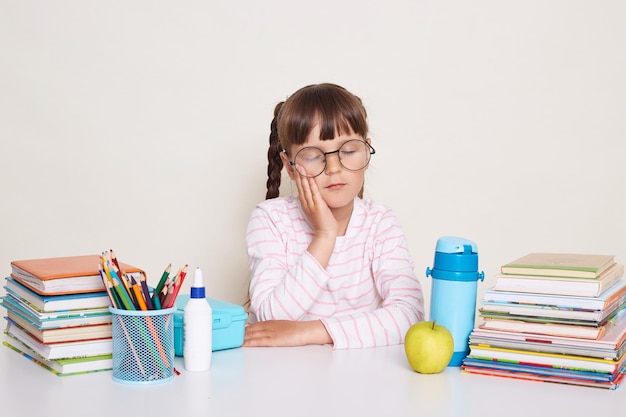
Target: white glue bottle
197	328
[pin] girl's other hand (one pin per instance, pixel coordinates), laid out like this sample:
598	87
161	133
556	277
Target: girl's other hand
286	333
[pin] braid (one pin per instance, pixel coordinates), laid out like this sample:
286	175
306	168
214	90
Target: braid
275	164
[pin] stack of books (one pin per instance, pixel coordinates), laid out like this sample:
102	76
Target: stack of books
58	313
553	317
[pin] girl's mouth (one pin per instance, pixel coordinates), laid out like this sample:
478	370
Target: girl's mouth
335	186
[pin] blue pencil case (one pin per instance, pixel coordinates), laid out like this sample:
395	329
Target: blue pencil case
229	322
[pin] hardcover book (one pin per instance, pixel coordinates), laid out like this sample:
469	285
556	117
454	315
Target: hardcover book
536	345
62	334
55	320
559	265
554	329
611	297
64	275
62	349
555	360
64	366
611	345
560	286
546	313
52	303
543	373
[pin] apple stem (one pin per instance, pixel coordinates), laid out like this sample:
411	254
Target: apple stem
434	321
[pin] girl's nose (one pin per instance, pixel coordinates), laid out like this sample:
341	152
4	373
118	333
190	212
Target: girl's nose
333	164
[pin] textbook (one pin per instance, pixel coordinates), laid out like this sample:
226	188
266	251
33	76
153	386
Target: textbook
543	373
615	295
540	370
540	343
65	366
611	345
555	360
546	313
62	334
554	329
560	286
64	275
49	303
62	349
54	320
559	265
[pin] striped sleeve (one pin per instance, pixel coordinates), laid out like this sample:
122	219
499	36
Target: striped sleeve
394	278
280	288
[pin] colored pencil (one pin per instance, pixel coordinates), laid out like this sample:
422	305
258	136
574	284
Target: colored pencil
177	287
141	303
164	277
121	275
156	301
146	291
121	290
107	286
128	305
170	293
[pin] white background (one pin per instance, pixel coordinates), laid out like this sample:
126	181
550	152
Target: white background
142	126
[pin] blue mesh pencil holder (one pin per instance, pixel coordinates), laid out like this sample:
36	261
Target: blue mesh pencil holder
143	345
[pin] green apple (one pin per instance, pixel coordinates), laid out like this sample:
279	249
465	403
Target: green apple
429	347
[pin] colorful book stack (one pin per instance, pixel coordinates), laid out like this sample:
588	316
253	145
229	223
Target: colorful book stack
553	317
58	313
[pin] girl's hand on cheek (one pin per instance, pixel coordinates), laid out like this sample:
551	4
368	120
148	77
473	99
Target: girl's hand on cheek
314	206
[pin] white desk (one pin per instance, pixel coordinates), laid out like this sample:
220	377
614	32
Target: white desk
306	381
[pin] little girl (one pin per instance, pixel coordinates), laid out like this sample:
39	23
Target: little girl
327	267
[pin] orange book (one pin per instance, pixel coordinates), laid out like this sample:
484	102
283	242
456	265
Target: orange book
63	275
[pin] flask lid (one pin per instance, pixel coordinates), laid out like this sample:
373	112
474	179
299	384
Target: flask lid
456	259
454	244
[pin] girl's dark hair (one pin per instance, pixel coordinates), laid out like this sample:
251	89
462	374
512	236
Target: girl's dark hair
336	110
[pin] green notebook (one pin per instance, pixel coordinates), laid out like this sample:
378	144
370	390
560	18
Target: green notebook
560	265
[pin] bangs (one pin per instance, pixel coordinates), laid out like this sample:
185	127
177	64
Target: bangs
332	107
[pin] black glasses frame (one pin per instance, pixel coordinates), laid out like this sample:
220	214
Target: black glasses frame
293	163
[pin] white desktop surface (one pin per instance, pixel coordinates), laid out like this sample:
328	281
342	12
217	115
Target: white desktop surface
300	381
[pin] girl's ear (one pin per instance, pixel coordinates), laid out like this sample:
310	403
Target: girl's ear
290	170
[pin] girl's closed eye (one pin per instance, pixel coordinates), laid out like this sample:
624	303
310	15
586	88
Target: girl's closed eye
312	159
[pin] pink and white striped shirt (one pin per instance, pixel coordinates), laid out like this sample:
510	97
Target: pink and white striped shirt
367	296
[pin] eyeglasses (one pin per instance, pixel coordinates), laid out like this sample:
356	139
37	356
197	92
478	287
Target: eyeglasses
353	155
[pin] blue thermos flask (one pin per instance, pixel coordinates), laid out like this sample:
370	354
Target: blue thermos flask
453	292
